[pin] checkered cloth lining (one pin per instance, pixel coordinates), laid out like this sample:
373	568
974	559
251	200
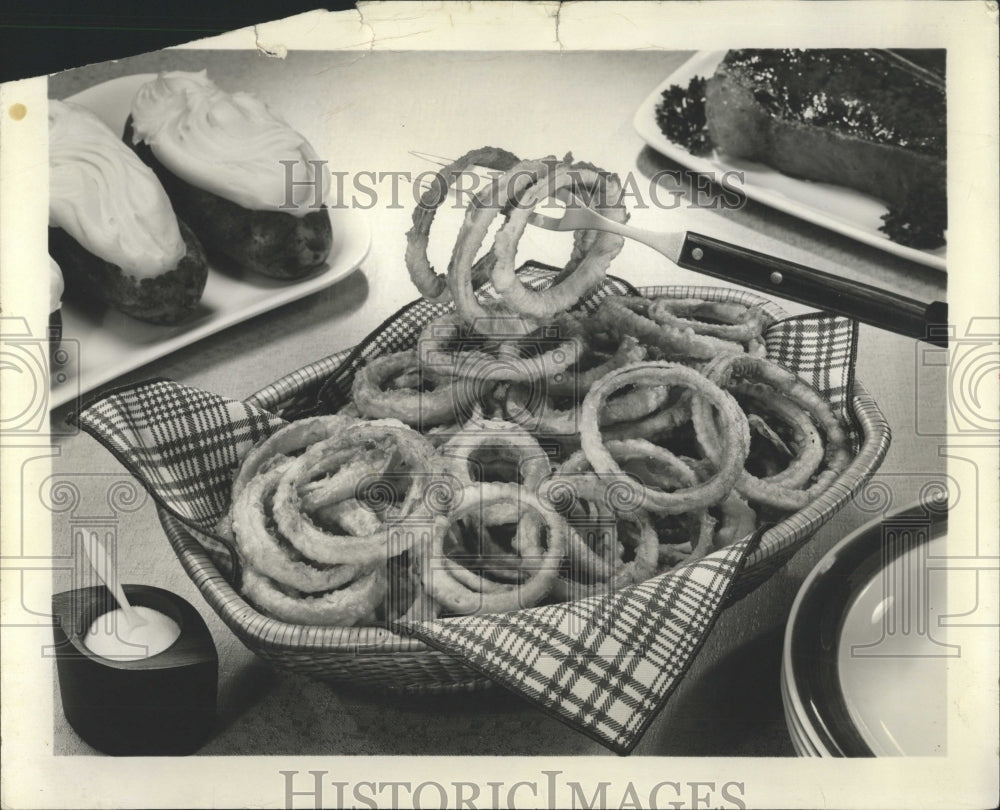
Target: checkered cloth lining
604	665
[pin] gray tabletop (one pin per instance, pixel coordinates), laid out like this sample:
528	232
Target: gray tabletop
365	112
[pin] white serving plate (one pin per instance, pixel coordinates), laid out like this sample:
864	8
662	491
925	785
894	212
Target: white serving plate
865	662
836	208
103	344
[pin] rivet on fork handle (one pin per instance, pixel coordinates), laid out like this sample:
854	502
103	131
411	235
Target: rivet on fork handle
833	293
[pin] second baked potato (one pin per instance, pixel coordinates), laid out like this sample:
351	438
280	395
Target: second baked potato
221	159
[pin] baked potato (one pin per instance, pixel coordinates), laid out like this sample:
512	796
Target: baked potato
219	157
113	232
164	298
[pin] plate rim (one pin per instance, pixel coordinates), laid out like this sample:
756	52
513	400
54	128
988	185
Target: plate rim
644	123
827	731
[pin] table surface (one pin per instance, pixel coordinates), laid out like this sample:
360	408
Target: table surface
365	112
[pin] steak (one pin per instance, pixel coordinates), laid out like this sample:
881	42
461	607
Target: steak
867	119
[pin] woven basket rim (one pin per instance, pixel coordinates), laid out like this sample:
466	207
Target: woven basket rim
262	632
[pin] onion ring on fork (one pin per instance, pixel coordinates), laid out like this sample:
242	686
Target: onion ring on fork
496	319
586	269
432	286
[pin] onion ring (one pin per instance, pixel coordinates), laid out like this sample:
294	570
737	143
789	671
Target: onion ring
502	567
263	550
806	437
397	534
657	424
574	481
736	434
640	568
578	378
729	321
350	515
533	461
432	286
586	269
288	439
736	520
497	320
459	599
549	420
764	491
417	408
669	472
472	358
532	468
675	555
631	315
345	607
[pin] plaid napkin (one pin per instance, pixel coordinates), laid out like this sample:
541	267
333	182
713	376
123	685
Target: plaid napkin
604	665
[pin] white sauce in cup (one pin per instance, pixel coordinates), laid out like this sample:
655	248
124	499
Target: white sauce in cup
110	636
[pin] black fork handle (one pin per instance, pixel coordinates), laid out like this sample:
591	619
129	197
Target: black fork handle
871	305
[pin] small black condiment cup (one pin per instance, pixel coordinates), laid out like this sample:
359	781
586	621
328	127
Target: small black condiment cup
162	705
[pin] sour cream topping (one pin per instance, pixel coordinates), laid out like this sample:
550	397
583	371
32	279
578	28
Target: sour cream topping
231	145
106	198
56	285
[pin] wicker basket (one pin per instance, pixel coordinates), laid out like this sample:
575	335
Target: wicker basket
377	657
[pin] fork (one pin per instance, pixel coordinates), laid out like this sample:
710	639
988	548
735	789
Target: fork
761	271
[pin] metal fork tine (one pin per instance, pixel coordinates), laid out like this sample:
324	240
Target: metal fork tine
564	195
486	179
438	159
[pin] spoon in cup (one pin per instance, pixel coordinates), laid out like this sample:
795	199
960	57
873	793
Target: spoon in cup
97	556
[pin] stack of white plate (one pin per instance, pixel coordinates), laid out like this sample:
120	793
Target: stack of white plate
864	669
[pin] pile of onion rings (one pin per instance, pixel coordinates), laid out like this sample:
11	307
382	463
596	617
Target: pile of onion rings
524	453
